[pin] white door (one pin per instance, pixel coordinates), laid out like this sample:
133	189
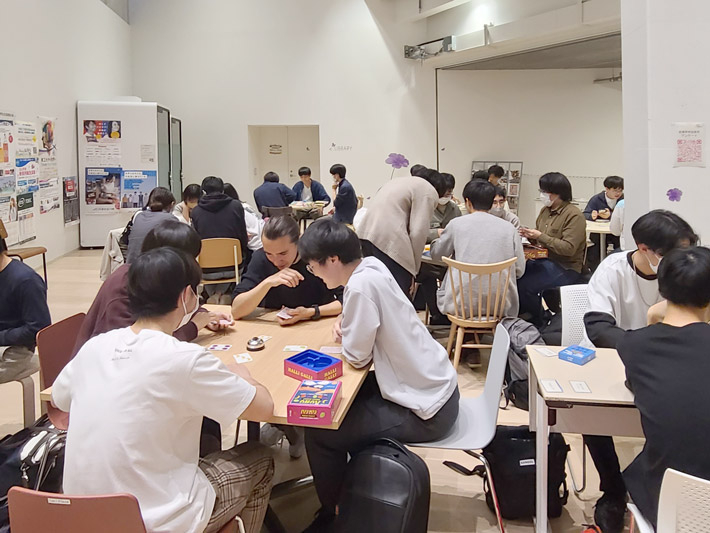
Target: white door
303	151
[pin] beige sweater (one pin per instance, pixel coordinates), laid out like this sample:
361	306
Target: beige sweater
397	220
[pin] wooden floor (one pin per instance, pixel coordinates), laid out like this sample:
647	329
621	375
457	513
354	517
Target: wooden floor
457	502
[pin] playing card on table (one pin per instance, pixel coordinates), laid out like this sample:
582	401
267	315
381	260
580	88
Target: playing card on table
264	337
332	349
284	314
295	348
219	347
243	358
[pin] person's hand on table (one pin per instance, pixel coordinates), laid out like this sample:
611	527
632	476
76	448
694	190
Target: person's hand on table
595	214
215	325
337	330
529	233
605	214
297	315
287	276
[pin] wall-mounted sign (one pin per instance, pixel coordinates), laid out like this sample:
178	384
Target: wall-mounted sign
275	149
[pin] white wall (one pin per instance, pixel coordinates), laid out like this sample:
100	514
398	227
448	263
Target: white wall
58	53
551	120
222	64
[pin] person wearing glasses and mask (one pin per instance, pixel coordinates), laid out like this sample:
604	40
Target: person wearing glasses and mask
562	229
446	209
499	209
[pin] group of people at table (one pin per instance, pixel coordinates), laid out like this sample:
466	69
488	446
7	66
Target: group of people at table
147	403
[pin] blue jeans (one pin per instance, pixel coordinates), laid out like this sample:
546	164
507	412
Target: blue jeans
540	275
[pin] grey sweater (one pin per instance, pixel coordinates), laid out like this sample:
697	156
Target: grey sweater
479	238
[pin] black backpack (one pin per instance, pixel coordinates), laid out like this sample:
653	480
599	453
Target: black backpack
515	381
511	455
386	489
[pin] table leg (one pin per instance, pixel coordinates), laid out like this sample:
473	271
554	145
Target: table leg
542	430
602	243
253	431
272	522
44	265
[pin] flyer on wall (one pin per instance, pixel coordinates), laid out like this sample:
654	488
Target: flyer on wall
8	215
7	138
27	175
26	143
48	149
49	194
102	142
102	190
136	186
26	217
71	201
7	182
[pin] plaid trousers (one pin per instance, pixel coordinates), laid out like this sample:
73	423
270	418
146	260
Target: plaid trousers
241	478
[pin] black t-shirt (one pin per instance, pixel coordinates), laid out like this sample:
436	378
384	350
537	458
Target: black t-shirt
311	291
667	368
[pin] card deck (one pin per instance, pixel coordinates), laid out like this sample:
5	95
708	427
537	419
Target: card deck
284	314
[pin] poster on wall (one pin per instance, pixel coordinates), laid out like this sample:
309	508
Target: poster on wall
7	182
47	150
71	201
102	190
102	139
26	218
27	175
8	215
7	138
136	186
26	142
689	146
49	194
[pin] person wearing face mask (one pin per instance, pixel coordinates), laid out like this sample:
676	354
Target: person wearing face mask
152	391
601	207
621	292
446	210
499	209
561	228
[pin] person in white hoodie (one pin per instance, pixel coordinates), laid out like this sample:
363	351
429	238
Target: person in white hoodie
413	394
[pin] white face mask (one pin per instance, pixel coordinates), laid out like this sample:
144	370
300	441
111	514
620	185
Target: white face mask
188	316
654	267
611	202
444	200
545	199
497	211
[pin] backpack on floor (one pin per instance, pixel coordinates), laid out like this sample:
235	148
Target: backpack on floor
386	489
515	382
511	455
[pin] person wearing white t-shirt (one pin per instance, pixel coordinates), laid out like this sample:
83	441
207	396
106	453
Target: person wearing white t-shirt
411	396
621	292
137	397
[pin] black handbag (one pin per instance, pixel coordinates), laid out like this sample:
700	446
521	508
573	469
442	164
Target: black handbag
125	236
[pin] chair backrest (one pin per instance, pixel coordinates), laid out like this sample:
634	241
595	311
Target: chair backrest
32	511
574	300
684	505
494	377
55	346
277	211
219	253
487	302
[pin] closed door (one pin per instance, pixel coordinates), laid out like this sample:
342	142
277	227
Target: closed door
303	151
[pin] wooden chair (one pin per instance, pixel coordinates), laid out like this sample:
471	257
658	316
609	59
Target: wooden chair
55	347
277	211
473	315
26	253
221	253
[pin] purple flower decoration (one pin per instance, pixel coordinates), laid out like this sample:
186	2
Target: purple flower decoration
397	161
674	195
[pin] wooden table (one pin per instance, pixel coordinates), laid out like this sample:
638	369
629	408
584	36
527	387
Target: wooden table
305	209
608	409
603	229
31	251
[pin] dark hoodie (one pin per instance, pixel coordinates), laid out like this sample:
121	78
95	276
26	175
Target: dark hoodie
219	216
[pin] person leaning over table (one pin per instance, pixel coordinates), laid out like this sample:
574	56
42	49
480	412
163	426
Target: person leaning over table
136	398
561	228
412	395
190	198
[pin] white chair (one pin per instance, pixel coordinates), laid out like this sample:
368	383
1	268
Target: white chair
475	426
574	301
638	522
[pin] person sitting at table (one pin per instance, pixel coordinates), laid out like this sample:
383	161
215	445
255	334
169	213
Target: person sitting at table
345	201
271	193
418	170
396	226
621	293
190	198
495	173
499	208
601	207
667	367
411	396
252	218
160	206
23	313
561	228
308	189
136	398
446	210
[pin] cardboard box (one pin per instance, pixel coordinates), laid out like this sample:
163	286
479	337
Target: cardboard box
313	365
314	403
577	355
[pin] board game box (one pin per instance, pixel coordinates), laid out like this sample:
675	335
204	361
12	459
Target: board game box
577	355
313	365
314	403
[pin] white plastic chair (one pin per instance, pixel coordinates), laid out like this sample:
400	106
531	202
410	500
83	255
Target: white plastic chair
475	426
638	521
684	505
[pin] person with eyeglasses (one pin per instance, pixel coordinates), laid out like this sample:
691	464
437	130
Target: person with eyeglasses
446	209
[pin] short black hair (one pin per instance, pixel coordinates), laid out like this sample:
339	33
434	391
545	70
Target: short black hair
281	226
339	170
417	170
192	192
449	181
496	170
436	180
304	171
683	276
175	234
160	199
662	231
614	182
212	184
480	193
230	191
500	191
157	277
556	183
326	238
273	177
481	175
